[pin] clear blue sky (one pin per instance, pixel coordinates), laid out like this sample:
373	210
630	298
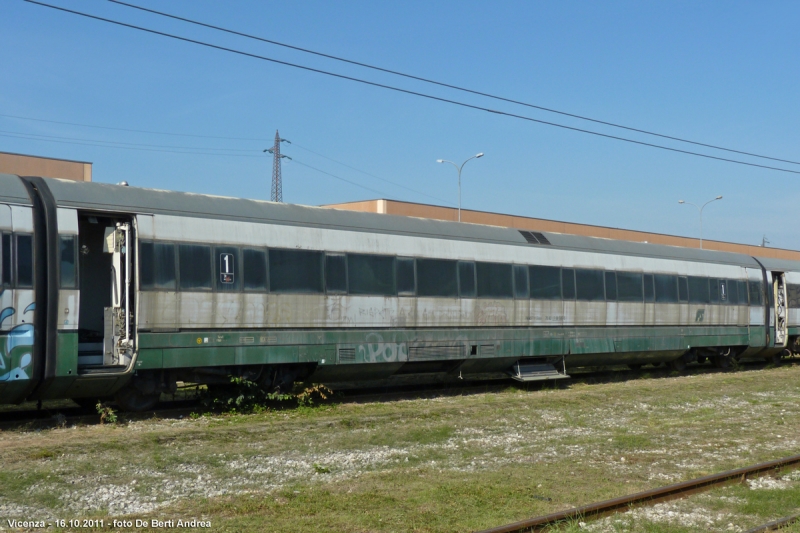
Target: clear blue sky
724	73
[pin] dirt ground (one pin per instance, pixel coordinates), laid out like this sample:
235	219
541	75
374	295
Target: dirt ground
443	463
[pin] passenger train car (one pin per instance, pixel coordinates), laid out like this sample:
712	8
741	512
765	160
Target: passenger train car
110	290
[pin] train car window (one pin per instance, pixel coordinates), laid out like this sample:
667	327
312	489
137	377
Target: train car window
494	280
25	261
521	282
589	285
611	286
723	291
165	266
6	259
714	290
649	290
629	287
545	282
793	295
147	276
666	288
295	271
698	290
336	273
227	269
437	277
254	269
683	289
733	292
66	252
406	280
756	292
194	266
371	274
743	300
568	283
466	279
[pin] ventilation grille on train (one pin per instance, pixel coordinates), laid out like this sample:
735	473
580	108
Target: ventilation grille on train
534	237
347	355
428	353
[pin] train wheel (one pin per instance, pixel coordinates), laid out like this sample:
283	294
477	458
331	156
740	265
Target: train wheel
776	359
721	361
130	398
678	364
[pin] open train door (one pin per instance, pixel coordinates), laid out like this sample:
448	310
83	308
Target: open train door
780	297
118	338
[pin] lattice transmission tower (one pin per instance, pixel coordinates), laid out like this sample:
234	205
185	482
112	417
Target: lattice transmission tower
276	194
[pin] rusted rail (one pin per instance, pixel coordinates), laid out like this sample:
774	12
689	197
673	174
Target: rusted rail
648	497
775	524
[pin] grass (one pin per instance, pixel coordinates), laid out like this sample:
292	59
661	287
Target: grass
447	463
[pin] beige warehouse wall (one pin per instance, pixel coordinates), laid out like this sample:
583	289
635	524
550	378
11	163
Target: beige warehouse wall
28	165
393	207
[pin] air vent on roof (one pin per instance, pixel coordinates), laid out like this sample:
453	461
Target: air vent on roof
534	237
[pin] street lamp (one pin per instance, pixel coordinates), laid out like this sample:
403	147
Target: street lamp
700	209
476	156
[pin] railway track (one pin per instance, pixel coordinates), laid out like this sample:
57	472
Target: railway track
653	496
50	415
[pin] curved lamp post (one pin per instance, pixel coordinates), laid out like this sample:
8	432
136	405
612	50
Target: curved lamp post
476	156
700	209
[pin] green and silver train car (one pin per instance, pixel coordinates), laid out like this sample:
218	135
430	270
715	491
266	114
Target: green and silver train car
119	291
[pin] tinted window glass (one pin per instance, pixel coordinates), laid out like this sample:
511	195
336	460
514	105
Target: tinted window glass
589	285
698	290
165	266
733	292
466	279
406	283
629	287
494	280
793	295
683	289
371	274
227	271
336	273
545	282
568	283
756	297
24	261
295	271
195	266
6	259
436	277
146	265
713	285
254	269
666	288
723	291
521	281
743	297
611	286
649	291
66	252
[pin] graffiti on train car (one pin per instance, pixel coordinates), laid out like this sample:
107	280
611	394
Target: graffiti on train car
375	350
16	347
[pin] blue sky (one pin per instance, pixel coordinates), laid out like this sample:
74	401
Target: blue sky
723	73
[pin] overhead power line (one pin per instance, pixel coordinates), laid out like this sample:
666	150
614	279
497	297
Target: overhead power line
406	91
197	150
450	86
133	130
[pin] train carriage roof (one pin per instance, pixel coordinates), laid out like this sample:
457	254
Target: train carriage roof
12	191
124	199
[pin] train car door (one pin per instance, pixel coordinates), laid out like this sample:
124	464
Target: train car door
106	337
779	297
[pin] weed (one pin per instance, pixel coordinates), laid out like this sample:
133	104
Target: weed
306	396
319	469
107	414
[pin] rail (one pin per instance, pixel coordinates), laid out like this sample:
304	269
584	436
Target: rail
648	497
